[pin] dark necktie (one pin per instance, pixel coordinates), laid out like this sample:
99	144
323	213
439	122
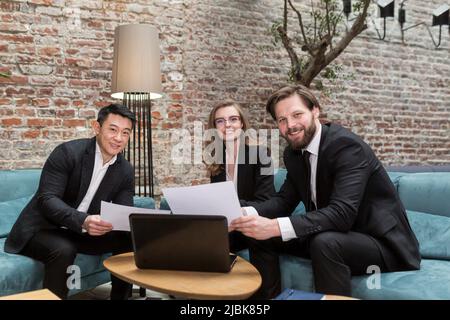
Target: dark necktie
308	202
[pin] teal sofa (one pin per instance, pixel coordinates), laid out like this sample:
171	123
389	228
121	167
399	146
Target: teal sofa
426	197
19	273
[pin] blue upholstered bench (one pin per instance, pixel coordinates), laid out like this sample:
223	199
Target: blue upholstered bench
19	273
426	197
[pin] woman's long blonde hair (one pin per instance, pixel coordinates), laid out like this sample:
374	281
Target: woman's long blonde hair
215	168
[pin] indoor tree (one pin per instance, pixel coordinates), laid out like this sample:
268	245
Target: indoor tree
318	39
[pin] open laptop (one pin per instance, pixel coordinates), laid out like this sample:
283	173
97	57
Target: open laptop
181	242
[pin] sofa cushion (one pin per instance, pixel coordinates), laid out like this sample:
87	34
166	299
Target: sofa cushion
296	273
164	205
395	177
16	270
19	273
433	234
279	178
144	202
9	211
18	183
419	168
90	264
426	192
431	282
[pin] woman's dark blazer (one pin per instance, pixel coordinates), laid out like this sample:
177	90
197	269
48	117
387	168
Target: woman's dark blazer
255	175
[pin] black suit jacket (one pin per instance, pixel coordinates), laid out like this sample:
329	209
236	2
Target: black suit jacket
64	182
354	193
253	181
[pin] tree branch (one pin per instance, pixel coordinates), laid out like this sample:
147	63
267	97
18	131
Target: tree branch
291	52
315	20
317	62
327	11
336	22
321	50
320	60
300	22
357	27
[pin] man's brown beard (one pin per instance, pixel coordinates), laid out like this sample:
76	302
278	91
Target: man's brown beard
308	134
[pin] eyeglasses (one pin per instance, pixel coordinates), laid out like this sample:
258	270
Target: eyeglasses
219	122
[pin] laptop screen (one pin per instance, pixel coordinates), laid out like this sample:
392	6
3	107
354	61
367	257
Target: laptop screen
180	242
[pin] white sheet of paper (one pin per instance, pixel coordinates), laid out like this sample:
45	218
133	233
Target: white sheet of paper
118	214
205	199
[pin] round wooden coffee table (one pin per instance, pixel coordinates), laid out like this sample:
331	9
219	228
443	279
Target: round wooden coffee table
240	283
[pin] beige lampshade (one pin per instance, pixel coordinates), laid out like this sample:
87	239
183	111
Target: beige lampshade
136	64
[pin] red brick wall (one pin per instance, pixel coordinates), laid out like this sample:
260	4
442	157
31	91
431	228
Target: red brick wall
60	56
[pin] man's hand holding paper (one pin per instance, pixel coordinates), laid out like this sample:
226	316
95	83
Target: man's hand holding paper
117	215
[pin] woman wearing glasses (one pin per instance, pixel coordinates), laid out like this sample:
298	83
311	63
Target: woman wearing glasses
237	159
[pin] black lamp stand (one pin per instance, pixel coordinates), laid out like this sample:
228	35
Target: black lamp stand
139	151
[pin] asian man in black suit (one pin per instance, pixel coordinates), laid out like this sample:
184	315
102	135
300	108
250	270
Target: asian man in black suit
62	219
354	218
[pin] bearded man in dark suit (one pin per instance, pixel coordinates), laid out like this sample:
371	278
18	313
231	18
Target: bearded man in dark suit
354	218
62	219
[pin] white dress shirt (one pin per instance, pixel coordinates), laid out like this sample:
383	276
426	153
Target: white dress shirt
229	159
97	176
285	224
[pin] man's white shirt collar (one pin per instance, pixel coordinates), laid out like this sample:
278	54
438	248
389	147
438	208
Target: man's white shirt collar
313	146
98	174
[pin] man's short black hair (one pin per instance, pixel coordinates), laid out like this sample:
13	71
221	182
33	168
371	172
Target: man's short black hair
118	109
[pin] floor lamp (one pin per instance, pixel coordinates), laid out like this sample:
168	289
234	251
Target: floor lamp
136	79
